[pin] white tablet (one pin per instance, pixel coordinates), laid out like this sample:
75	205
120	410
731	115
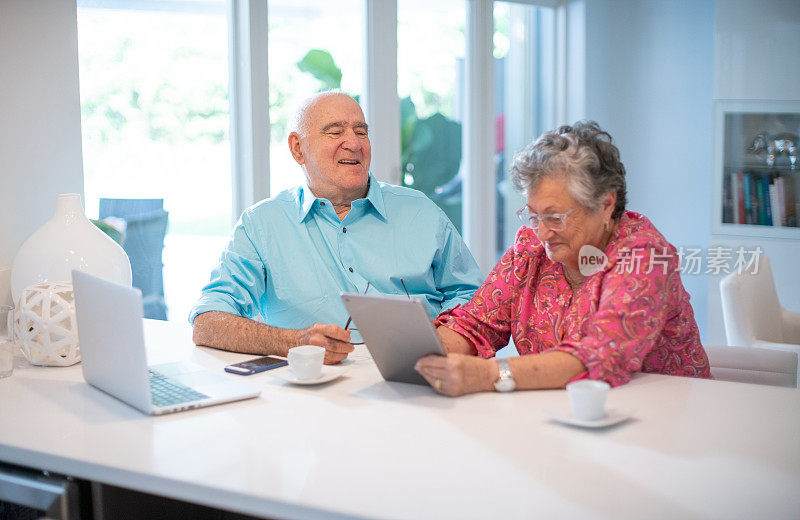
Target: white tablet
397	331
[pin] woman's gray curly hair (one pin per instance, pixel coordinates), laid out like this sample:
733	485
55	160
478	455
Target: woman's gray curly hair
584	155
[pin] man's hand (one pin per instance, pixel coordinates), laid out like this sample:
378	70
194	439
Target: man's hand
335	339
458	374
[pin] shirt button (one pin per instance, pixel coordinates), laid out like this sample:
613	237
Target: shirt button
344	230
351	269
321	203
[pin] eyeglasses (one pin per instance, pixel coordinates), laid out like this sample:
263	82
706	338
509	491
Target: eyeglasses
553	221
350	318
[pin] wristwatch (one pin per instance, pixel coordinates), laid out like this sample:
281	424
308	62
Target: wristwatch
504	383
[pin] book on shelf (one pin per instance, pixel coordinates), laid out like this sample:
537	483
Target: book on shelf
727	199
748	199
765	183
792	199
781	191
739	197
761	198
773	203
761	214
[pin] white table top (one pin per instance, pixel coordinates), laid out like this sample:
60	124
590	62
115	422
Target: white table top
360	447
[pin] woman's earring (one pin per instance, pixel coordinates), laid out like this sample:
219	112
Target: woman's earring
608	225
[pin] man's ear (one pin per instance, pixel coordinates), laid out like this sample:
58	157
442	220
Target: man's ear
295	148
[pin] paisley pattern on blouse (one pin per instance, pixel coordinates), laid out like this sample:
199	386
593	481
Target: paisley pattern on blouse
620	321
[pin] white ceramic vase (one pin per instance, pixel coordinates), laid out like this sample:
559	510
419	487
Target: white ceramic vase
68	241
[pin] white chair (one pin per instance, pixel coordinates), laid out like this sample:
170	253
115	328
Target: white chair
759	366
752	313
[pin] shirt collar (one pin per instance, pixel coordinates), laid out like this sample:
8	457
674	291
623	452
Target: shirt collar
306	199
375	196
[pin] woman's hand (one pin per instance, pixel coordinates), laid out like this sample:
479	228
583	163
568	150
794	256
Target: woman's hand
458	374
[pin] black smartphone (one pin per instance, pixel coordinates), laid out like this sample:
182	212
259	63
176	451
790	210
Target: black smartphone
254	366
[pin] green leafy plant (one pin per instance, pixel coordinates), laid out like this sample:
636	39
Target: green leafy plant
431	155
430	147
115	234
320	64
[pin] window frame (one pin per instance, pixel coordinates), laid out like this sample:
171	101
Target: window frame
250	103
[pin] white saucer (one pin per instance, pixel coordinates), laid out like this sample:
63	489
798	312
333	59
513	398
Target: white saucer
611	418
329	373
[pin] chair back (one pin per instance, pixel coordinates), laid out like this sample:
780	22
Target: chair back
146	227
750	306
144	243
124	208
753	365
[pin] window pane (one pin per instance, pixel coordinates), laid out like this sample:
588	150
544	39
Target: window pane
524	50
314	45
430	70
154	104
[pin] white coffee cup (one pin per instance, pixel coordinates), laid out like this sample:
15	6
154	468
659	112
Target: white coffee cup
587	399
306	361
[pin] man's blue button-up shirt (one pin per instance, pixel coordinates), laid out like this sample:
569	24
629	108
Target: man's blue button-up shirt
290	257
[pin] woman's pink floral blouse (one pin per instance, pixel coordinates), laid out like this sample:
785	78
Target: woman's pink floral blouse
633	316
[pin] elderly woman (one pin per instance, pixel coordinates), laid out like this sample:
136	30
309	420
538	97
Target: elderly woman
571	320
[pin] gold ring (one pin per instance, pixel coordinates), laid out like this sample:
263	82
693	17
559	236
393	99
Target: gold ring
437	384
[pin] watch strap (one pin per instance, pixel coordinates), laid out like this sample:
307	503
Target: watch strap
505	380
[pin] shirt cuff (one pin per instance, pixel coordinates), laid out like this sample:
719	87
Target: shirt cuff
450	318
599	366
203	307
445	317
583	375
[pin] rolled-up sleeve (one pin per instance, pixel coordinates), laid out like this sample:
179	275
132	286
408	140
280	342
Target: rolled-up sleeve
455	272
239	279
630	317
486	319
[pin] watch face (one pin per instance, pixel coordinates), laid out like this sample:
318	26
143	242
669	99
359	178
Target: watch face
505	385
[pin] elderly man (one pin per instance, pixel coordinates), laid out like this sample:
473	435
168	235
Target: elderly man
291	255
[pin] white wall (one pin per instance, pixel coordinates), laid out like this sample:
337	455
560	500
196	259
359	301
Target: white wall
653	71
757	49
649	82
756	57
40	125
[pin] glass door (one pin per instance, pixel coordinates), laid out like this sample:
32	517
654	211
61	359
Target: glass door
155	123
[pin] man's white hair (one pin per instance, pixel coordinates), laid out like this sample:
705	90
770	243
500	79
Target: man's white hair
300	120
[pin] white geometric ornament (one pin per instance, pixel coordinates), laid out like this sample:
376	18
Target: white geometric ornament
44	324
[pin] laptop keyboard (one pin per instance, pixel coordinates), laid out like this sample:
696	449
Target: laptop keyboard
166	391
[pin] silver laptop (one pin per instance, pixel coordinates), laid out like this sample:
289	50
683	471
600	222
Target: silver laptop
114	358
397	332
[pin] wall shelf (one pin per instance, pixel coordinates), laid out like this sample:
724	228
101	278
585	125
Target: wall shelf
752	198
